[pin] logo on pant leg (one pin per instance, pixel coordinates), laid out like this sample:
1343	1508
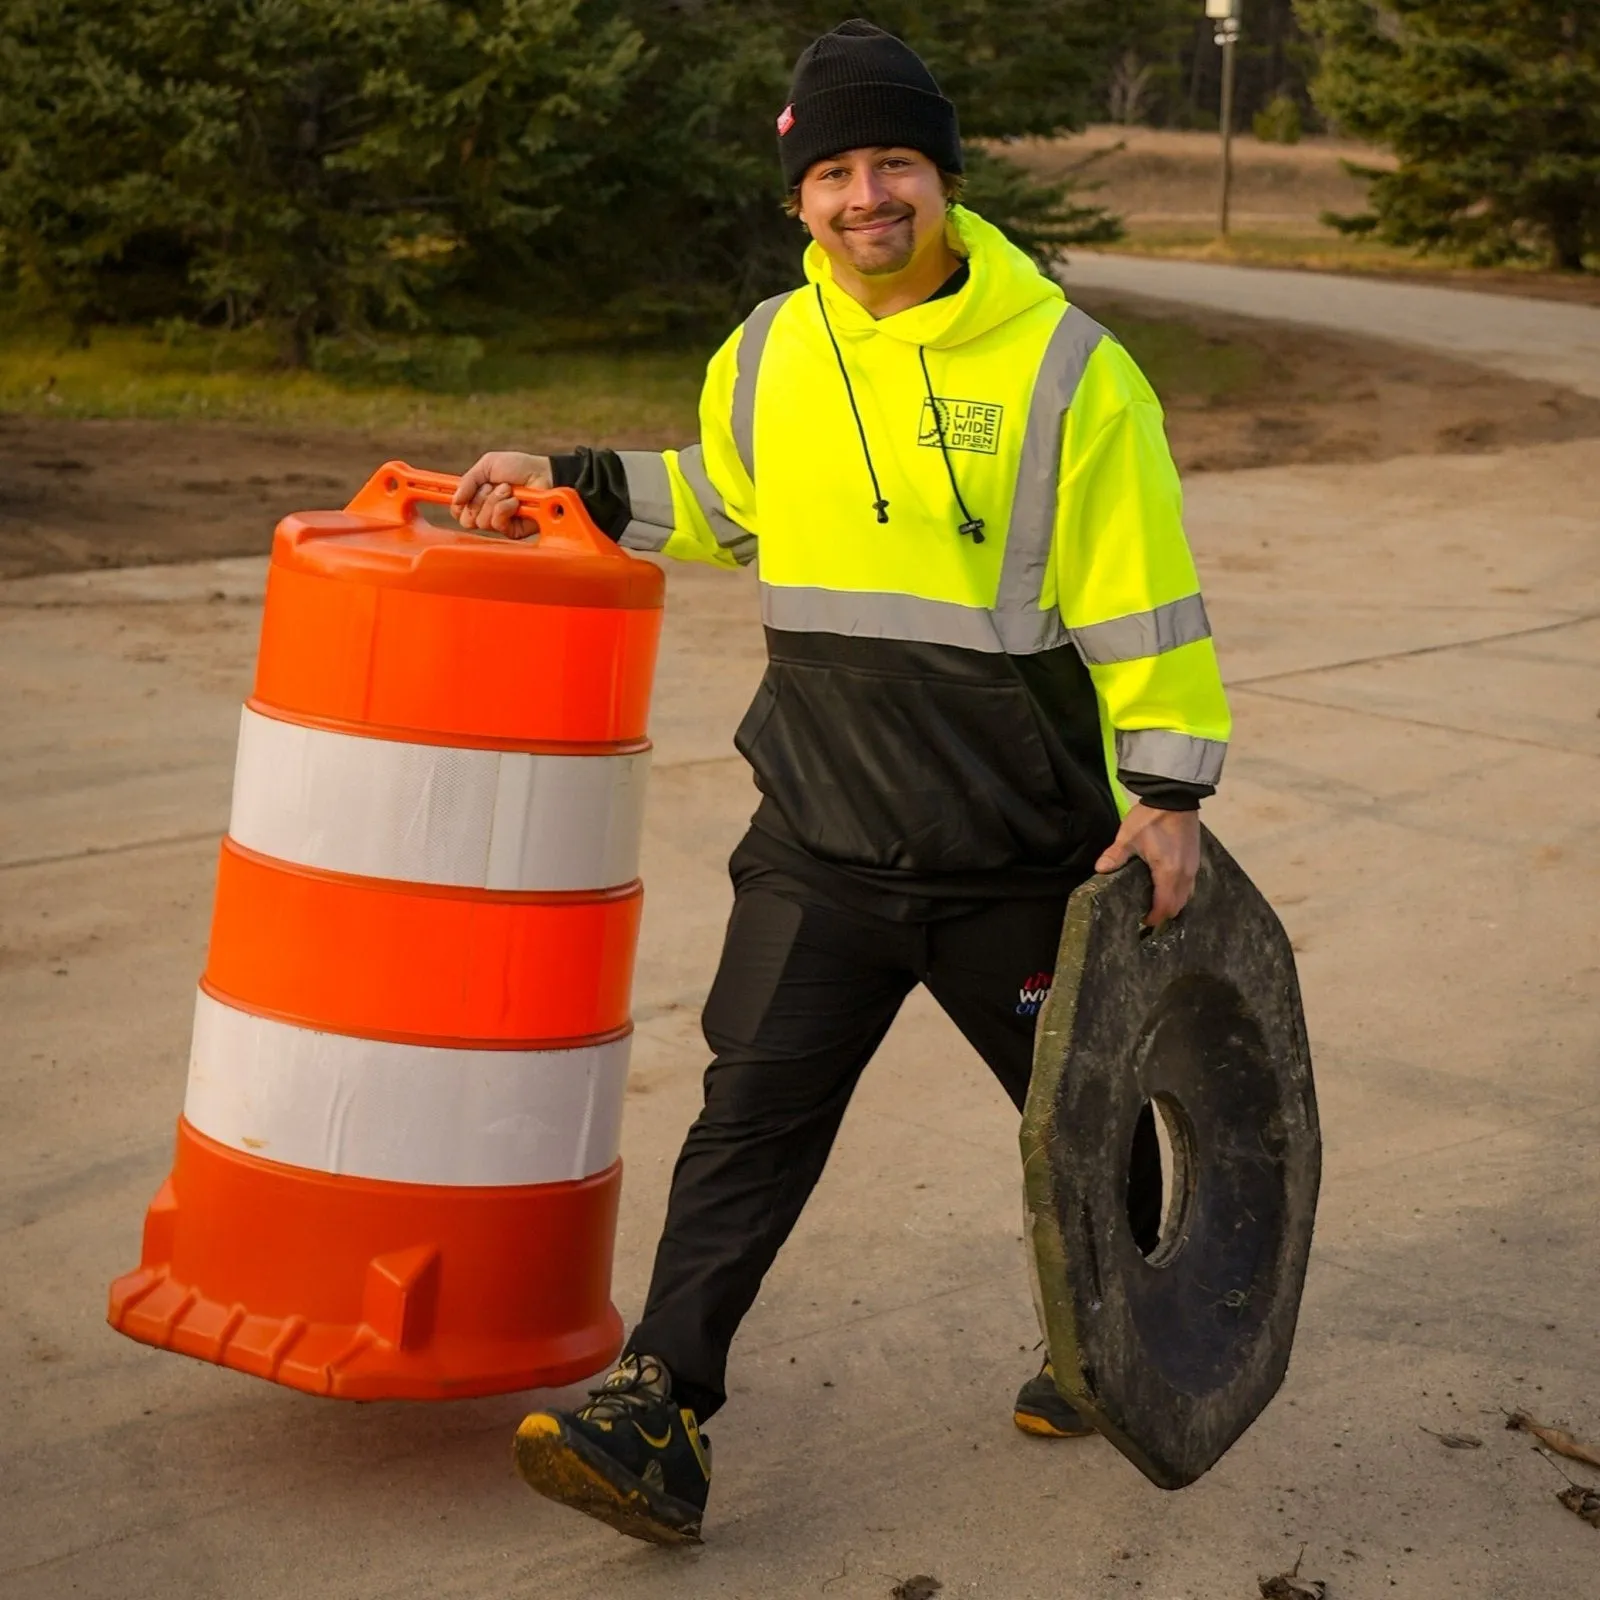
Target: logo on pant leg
1033	994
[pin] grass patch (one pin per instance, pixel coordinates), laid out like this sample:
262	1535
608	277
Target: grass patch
1187	365
517	385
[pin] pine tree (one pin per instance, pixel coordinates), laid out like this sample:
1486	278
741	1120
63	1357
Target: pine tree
1492	110
312	164
323	166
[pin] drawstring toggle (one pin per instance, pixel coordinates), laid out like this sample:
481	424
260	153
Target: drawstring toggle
882	508
973	526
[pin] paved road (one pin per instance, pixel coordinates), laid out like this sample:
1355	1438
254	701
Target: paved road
1545	339
1412	652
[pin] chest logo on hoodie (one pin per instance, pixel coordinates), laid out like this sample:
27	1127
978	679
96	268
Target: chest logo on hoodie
968	425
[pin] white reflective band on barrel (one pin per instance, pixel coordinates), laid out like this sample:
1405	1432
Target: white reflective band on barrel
422	813
364	1108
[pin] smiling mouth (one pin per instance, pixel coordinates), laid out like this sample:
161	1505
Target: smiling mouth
879	226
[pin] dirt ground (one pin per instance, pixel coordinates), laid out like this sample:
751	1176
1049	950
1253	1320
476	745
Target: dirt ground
149	491
1158	175
117	493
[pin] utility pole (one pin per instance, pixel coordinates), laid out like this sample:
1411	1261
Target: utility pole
1225	14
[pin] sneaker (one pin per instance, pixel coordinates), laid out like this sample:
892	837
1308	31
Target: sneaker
1042	1410
630	1456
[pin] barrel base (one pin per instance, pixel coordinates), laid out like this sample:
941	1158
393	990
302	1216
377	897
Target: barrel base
365	1290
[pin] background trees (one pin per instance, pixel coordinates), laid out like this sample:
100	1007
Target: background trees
1493	110
314	163
329	166
1164	68
323	165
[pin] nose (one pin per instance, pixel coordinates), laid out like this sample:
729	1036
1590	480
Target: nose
867	190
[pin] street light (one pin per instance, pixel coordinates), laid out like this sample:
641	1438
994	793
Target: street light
1225	14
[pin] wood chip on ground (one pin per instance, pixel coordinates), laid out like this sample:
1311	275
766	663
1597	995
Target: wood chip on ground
1557	1439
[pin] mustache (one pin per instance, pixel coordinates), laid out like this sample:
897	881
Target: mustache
892	211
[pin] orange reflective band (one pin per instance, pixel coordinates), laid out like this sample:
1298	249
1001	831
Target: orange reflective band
420	963
447	667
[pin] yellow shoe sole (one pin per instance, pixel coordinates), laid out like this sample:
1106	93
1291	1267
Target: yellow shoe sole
1042	1428
562	1466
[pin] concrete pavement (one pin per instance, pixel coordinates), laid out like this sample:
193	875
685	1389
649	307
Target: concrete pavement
1544	339
1413	651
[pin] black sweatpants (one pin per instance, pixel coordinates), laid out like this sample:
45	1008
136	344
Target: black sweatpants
804	994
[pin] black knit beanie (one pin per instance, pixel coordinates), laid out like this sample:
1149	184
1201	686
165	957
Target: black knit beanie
861	87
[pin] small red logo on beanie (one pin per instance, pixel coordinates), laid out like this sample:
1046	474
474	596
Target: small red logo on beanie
785	121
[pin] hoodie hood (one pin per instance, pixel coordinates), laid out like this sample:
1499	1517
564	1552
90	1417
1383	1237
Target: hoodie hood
1004	283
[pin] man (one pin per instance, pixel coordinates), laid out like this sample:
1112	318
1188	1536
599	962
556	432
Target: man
985	640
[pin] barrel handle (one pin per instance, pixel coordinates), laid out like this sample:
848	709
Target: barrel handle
395	490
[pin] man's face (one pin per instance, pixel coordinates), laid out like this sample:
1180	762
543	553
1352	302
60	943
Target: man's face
874	209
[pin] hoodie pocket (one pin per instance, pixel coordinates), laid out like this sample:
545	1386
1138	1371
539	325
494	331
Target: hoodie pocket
907	772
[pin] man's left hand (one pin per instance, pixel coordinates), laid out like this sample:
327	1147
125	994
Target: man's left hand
1169	844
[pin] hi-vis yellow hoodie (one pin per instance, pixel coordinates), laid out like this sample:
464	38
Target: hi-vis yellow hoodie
983	622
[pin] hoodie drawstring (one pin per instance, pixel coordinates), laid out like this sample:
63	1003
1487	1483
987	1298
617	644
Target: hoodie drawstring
971	525
879	504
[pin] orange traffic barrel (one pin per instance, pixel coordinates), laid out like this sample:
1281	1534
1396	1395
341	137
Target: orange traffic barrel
397	1171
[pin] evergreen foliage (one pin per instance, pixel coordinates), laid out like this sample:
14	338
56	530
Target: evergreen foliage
1492	109
313	163
1278	121
329	166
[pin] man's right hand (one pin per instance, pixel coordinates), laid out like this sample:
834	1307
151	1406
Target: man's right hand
484	498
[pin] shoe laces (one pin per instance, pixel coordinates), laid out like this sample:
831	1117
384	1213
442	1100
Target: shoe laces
634	1384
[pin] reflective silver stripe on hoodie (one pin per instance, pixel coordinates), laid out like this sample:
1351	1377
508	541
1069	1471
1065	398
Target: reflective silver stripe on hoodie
1025	628
649	500
739	542
869	614
747	367
1143	633
1161	753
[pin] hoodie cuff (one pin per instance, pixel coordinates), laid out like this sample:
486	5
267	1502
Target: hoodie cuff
602	485
1166	794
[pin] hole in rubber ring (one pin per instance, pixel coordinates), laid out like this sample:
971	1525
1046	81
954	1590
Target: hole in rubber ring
1162	1168
1215	1271
390	484
558	511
